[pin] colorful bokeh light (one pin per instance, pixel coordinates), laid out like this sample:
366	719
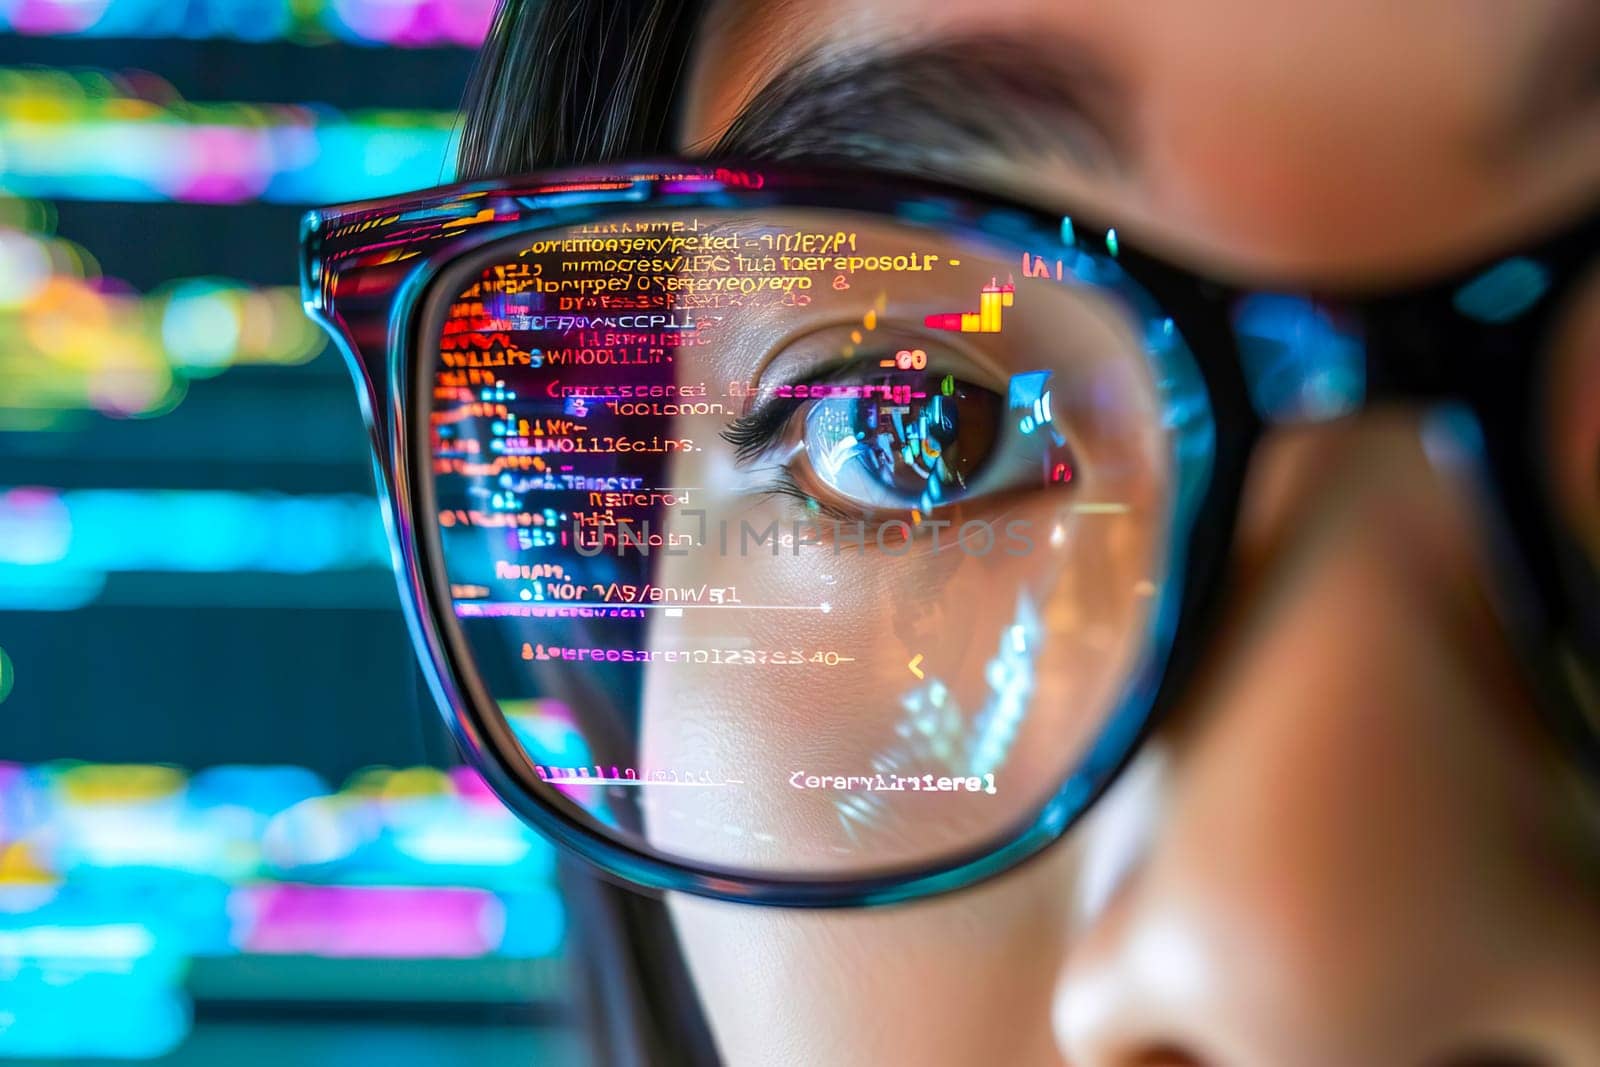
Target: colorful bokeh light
406	23
77	341
91	135
57	547
114	876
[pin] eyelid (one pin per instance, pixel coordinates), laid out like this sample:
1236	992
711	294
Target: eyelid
754	433
888	335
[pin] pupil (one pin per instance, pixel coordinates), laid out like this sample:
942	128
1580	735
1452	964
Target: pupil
923	450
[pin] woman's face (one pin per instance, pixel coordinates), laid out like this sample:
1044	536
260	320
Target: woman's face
1352	844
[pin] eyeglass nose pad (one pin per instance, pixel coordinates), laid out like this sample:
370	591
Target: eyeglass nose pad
1454	444
1300	361
1452	439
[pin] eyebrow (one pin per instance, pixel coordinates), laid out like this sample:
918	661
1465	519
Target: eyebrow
934	106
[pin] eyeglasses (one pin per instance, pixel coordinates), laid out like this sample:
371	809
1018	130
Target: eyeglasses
818	537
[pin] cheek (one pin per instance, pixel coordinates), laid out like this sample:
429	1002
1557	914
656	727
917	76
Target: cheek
958	979
956	663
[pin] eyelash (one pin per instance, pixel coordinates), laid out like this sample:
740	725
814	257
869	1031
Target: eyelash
753	435
757	433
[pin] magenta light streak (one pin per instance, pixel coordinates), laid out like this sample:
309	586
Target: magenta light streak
691	185
52	16
470	787
403	22
463	22
226	166
367	921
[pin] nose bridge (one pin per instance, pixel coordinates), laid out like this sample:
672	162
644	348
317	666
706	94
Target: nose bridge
1455	355
1360	857
1476	356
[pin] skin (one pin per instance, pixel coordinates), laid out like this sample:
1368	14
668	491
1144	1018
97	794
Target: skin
1353	845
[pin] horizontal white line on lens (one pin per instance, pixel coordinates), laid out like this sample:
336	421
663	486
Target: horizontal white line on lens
634	781
824	608
623	605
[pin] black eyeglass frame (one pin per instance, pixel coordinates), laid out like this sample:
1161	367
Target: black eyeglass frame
368	268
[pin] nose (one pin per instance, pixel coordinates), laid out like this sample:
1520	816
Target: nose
1359	848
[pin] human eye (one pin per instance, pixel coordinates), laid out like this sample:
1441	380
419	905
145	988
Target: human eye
904	436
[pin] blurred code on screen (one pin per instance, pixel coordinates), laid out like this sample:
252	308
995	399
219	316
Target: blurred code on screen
204	675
